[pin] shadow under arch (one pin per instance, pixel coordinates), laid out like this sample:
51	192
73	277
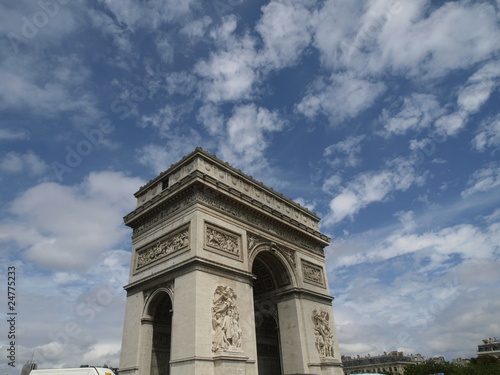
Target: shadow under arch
158	311
152	301
272	275
272	256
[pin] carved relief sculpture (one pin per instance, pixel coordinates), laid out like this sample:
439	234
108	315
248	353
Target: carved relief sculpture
313	274
163	247
323	333
222	241
226	331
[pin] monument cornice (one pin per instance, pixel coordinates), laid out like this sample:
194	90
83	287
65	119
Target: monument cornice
189	265
306	294
216	194
229	179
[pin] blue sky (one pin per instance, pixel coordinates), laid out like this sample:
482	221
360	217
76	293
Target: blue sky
381	116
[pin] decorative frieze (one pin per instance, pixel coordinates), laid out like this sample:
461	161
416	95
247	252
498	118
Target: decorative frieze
323	333
258	221
313	274
222	241
226	331
164	214
172	243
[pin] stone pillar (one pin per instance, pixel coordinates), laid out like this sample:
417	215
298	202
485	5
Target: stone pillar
146	344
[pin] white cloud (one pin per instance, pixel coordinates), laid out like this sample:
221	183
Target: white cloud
471	97
11	135
197	29
406	38
160	157
332	183
160	120
410	287
89	307
48	87
165	49
452	123
341	97
29	162
118	34
286	31
479	88
417	112
370	187
234	71
488	134
180	83
307	204
150	14
34	26
209	115
230	72
350	147
247	136
68	227
483	180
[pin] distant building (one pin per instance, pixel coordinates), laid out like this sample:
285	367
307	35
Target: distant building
394	362
436	360
460	361
490	346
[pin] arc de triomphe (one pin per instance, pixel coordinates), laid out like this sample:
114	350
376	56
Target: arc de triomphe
227	277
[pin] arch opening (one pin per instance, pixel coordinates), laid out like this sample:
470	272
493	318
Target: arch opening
270	276
161	313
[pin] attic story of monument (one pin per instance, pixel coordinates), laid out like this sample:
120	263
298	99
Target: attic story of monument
227	276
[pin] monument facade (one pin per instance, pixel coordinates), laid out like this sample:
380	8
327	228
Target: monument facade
227	277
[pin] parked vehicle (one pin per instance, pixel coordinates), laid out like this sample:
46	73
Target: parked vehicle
74	371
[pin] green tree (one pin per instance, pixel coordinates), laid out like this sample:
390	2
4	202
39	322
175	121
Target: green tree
483	365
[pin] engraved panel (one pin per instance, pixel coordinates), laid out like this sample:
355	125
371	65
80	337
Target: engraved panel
323	333
222	241
173	243
313	274
226	331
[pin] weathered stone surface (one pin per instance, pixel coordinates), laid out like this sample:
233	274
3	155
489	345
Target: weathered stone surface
227	276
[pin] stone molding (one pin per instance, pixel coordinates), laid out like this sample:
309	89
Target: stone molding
168	287
209	165
213	199
163	248
302	293
222	241
313	274
190	265
254	241
163	214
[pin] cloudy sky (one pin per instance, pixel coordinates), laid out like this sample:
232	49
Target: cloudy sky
381	116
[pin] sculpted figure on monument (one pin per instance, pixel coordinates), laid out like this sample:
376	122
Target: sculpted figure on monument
222	241
163	248
323	333
226	331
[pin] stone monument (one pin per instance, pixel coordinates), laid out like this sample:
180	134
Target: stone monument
227	277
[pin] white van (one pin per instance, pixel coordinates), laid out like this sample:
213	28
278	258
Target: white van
74	371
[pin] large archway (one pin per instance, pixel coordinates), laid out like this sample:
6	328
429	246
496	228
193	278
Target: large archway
270	276
161	312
